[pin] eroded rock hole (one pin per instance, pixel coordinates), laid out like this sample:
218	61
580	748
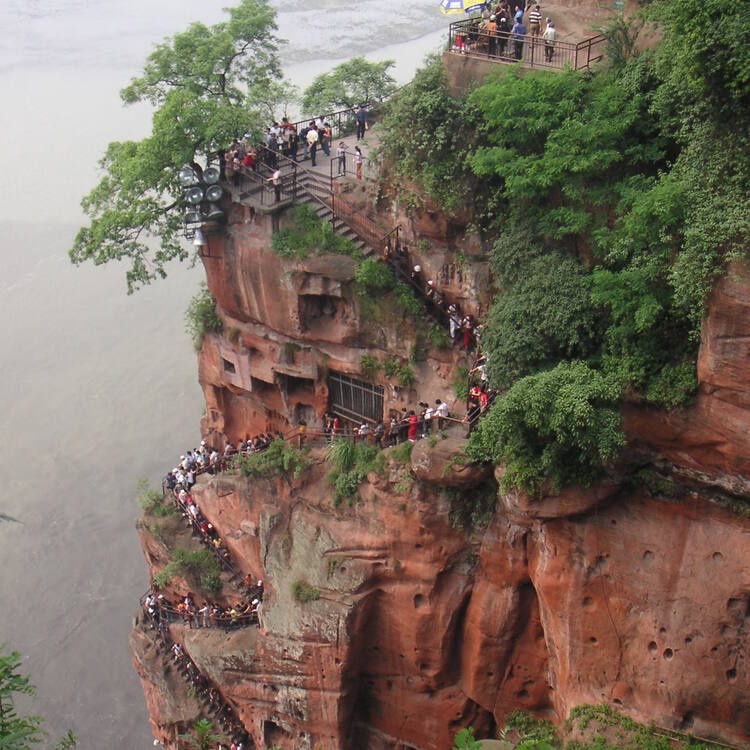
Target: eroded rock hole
648	555
588	601
522	693
731	674
418	601
687	720
668	653
652	646
717	557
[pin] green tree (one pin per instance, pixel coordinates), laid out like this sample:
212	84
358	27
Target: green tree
208	84
349	84
202	736
19	732
425	136
561	425
544	315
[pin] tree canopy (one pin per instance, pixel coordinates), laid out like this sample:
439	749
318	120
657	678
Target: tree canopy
208	85
349	84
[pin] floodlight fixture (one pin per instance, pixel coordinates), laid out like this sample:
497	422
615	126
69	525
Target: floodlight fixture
213	193
211	175
187	176
194	195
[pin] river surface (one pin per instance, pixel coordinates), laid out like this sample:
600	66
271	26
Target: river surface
98	388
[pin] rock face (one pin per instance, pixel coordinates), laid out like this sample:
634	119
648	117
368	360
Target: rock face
635	592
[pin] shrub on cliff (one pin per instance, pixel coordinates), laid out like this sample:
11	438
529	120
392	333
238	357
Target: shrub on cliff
545	316
425	136
310	234
201	316
199	566
304	592
561	425
152	501
352	462
278	458
373	277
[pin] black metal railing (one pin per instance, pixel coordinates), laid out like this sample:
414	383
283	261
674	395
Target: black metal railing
465	37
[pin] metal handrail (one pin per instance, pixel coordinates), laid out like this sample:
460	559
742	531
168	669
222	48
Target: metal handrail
465	37
174	614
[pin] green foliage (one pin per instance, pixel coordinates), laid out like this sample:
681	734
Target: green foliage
202	736
278	458
528	728
461	382
208	84
373	277
405	375
401	452
406	300
390	367
369	366
152	501
425	136
349	84
233	335
438	338
18	732
304	592
310	234
545	317
464	740
560	424
602	728
201	316
351	462
198	565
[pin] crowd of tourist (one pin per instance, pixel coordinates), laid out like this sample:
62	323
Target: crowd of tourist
501	31
160	612
296	142
202	687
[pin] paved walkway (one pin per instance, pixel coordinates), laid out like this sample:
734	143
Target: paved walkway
322	168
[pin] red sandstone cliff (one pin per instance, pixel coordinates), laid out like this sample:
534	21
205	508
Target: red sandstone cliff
635	593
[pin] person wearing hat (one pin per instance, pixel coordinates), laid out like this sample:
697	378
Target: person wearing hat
503	32
492	36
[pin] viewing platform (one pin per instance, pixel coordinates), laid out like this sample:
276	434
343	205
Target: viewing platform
472	53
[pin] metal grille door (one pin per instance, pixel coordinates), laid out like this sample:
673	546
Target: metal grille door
354	399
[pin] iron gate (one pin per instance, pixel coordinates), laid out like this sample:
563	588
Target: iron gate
354	399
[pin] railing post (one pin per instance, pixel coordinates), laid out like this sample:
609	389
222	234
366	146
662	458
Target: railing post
588	54
533	40
575	66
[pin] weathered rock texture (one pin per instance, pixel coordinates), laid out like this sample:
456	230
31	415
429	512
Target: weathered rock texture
635	592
